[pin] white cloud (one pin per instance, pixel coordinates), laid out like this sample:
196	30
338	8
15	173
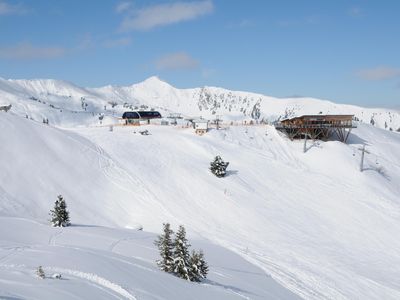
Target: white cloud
120	42
176	61
8	9
165	14
379	73
123	7
26	51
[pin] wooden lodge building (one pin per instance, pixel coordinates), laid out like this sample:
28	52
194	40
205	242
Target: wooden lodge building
317	126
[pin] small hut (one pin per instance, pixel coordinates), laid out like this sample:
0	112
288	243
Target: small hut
200	126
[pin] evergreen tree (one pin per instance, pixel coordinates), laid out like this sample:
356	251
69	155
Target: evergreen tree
165	246
198	266
181	254
60	215
218	167
203	267
40	273
194	271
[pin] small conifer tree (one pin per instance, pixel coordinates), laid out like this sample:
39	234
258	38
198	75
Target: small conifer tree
60	215
198	266
218	166
175	257
202	265
40	273
194	263
165	246
181	254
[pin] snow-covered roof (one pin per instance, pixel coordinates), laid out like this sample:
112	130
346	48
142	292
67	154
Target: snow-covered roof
200	121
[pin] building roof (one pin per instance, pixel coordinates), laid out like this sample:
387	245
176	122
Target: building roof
200	121
320	117
141	115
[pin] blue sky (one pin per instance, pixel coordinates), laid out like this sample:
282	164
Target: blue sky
341	50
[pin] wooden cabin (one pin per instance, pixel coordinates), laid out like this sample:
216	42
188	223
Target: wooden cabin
317	126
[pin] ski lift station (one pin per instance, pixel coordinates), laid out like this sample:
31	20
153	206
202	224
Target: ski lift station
317	126
135	117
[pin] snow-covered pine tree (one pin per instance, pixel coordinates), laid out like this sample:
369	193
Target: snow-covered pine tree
181	254
203	266
198	266
165	245
60	215
218	166
40	273
194	263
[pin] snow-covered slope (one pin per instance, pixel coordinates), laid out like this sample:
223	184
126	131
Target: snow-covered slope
66	104
104	263
315	223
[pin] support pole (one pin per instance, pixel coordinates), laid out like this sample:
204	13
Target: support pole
305	143
347	136
362	157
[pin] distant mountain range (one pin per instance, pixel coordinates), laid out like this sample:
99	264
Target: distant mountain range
57	100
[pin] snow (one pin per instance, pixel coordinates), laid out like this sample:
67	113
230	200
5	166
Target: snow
281	223
105	263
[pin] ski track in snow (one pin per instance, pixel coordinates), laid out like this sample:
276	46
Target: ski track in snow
231	290
53	237
291	281
115	244
97	280
120	177
115	173
13	252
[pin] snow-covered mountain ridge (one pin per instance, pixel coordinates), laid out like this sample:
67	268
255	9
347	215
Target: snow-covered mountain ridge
43	99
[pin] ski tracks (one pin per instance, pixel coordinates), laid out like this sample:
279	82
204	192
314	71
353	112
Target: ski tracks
13	252
290	279
125	181
98	281
115	244
52	238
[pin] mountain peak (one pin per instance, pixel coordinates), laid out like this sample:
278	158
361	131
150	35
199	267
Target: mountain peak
154	82
153	78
